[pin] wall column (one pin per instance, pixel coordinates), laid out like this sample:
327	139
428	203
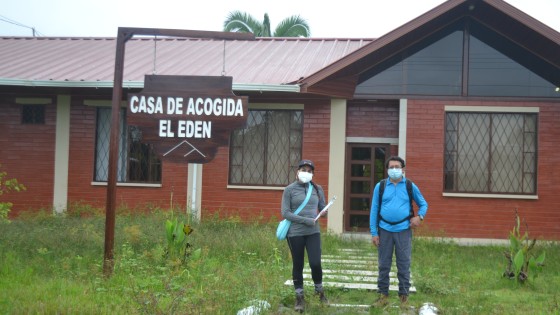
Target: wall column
337	149
61	154
403	114
194	191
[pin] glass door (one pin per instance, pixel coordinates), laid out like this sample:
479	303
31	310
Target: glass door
365	167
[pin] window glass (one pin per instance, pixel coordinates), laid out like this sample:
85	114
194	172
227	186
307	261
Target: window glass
362	154
33	114
433	67
360	170
360	187
379	162
267	150
360	204
137	161
498	67
490	153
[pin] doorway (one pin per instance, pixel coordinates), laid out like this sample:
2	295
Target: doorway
365	167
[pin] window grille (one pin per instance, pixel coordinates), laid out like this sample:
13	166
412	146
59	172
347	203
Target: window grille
490	153
33	114
267	150
137	161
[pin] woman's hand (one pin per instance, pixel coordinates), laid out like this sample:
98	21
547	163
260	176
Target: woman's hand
309	221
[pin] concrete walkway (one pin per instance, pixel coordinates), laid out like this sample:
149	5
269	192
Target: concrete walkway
352	269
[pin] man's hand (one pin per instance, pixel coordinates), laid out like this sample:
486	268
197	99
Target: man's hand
375	240
415	222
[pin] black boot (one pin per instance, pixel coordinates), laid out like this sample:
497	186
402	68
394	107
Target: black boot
323	298
300	303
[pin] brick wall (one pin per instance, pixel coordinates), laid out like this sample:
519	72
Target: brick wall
27	155
252	204
361	117
81	170
482	217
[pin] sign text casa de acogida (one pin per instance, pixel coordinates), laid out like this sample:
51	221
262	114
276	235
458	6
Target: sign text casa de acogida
200	112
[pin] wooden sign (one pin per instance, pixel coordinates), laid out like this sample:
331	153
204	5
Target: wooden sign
186	118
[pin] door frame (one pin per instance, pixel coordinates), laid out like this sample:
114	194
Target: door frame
374	177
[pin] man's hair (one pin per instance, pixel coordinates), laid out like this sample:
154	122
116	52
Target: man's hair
395	158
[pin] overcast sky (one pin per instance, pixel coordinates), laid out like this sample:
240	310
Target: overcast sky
348	18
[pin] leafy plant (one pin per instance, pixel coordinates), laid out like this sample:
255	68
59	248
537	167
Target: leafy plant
6	186
177	234
522	260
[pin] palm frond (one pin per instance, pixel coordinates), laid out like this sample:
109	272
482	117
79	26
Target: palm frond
293	26
242	22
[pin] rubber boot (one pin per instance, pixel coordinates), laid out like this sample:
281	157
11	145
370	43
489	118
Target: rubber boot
323	298
300	303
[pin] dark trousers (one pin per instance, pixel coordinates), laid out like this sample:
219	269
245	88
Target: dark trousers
298	245
399	243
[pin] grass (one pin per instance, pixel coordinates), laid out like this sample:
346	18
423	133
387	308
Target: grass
53	265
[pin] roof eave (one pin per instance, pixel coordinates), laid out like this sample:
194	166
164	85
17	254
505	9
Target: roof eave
380	42
246	87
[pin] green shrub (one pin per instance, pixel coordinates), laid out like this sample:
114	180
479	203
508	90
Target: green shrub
521	257
6	186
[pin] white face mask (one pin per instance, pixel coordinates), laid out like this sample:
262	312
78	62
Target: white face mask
304	177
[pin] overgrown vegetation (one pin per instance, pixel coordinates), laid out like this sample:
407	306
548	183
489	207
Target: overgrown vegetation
178	247
7	186
53	265
522	261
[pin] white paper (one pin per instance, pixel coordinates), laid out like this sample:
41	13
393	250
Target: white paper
326	208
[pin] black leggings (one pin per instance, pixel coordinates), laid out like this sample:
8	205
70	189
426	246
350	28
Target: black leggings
297	245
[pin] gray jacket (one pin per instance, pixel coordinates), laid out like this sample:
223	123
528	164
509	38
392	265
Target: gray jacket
302	223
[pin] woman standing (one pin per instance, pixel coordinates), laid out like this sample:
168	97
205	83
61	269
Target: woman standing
304	233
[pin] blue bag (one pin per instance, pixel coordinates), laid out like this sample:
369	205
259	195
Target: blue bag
284	225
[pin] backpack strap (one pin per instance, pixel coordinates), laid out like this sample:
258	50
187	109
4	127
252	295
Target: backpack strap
382	185
410	196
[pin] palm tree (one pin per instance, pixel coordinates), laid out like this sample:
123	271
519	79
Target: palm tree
293	26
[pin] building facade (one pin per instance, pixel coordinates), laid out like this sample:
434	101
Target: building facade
467	93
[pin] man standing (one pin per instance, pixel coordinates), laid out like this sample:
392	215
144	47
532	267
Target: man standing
391	220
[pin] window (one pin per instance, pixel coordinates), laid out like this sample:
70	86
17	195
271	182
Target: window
495	66
137	161
432	67
490	153
498	67
33	114
268	149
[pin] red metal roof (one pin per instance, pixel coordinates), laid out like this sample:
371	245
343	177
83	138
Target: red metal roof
266	61
318	65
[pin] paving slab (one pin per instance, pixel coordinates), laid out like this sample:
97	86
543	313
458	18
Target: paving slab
351	269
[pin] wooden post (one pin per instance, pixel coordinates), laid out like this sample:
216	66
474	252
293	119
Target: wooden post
123	35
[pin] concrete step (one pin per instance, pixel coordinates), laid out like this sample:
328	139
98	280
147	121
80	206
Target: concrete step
350	285
351	269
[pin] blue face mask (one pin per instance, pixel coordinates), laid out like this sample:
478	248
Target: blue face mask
395	173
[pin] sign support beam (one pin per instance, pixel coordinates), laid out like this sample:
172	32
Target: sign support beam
123	35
